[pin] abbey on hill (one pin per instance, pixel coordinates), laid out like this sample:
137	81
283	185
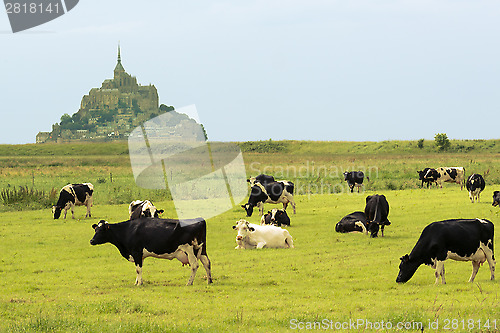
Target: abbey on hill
111	111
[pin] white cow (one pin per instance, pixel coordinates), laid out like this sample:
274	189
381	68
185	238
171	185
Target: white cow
251	236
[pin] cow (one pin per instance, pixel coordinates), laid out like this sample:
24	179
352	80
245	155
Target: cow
475	185
73	195
429	176
457	239
274	192
451	175
251	236
275	217
143	208
496	198
263	179
376	211
354	178
184	240
353	222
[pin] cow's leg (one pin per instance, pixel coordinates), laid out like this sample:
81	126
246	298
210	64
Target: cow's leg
206	263
260	204
261	244
439	271
288	241
291	201
73	212
193	261
382	230
89	204
475	269
491	260
137	258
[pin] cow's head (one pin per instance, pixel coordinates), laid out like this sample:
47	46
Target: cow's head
101	235
244	229
373	228
248	208
56	210
421	175
407	268
496	198
346	174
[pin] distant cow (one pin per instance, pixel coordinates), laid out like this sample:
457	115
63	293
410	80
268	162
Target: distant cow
251	236
451	175
274	192
459	239
143	208
275	217
356	221
354	178
159	238
376	211
73	195
496	198
263	179
429	176
475	185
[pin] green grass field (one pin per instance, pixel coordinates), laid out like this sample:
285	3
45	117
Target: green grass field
53	280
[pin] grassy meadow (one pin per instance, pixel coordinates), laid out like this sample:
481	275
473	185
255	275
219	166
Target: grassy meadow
53	280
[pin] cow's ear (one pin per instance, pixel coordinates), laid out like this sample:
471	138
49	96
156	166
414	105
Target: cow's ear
234	227
251	229
248	180
160	211
405	258
94	226
242	206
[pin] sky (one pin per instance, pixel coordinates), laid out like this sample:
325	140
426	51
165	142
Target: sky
329	70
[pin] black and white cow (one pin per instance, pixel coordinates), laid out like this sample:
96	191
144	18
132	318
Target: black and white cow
496	198
159	238
475	185
458	239
275	192
276	217
73	195
263	179
429	176
376	211
451	175
354	178
356	221
143	208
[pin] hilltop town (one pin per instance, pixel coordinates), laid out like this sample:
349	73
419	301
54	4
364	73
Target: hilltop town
112	111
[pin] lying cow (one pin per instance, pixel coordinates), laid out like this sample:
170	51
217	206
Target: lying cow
251	236
451	175
496	198
475	185
376	211
275	217
159	238
143	208
429	176
462	240
354	179
353	222
73	195
275	192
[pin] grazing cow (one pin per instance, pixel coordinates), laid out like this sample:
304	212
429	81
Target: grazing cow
376	211
496	198
73	195
354	178
429	176
458	239
251	236
143	208
144	237
275	217
451	175
356	221
263	179
475	185
275	192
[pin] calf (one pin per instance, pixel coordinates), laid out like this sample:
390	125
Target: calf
275	192
275	217
475	185
459	239
376	211
354	178
143	208
159	238
428	176
73	195
496	198
251	236
356	221
451	175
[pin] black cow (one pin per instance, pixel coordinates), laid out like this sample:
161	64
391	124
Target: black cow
429	176
475	185
275	217
143	208
376	211
160	238
458	239
263	179
496	198
71	195
354	178
356	221
274	192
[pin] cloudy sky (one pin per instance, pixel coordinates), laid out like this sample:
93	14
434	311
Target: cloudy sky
261	69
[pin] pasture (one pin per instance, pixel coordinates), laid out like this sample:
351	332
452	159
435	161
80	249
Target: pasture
53	280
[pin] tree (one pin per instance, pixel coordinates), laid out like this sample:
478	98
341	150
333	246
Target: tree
65	119
420	143
442	142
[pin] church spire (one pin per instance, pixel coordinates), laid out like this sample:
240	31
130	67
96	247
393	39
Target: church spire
119	67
